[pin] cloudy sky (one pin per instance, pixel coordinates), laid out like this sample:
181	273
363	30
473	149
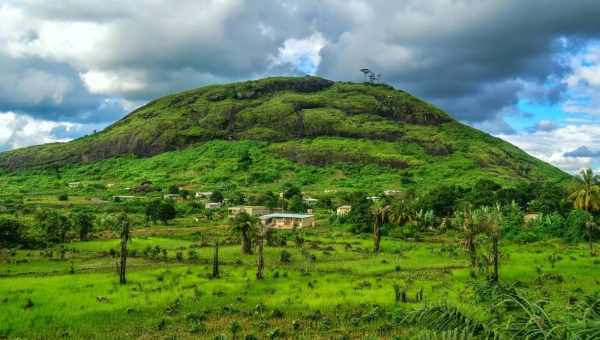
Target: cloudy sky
526	71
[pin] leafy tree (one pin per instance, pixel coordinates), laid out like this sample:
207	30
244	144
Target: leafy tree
296	204
11	232
245	224
549	198
83	221
152	210
290	190
216	196
269	200
483	193
442	200
587	197
166	211
54	225
360	214
63	197
575	225
237	198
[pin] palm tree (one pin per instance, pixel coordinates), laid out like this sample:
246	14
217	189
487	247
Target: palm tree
400	212
464	219
380	214
587	197
245	224
489	220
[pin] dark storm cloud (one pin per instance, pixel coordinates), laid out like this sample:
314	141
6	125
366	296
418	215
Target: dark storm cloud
50	91
453	52
472	58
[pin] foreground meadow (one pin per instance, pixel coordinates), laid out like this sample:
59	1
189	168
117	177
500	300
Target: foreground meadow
330	286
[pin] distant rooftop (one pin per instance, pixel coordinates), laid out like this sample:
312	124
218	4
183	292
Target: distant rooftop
285	215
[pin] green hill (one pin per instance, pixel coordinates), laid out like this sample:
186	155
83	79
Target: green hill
307	129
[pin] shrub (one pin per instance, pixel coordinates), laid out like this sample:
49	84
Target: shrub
285	257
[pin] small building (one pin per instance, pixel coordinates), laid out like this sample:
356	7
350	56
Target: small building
310	201
203	194
171	196
288	220
343	210
529	217
213	205
393	193
373	198
74	185
254	210
123	198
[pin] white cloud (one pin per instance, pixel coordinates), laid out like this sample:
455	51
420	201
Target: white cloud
107	82
304	54
551	146
584	82
18	131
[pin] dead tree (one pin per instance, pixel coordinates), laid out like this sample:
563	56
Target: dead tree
215	272
124	224
260	265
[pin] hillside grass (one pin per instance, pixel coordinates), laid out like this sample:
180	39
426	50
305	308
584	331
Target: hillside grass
343	291
325	163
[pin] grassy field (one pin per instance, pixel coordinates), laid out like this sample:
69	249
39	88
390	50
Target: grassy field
332	287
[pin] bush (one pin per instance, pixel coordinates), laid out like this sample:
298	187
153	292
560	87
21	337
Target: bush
10	233
285	257
63	197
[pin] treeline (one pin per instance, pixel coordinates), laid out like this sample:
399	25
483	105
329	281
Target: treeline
530	211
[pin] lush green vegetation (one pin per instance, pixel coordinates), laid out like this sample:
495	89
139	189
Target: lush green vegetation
445	264
307	120
452	234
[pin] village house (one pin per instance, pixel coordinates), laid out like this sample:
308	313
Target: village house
393	193
74	185
373	198
529	217
343	210
203	194
213	205
287	220
171	196
254	210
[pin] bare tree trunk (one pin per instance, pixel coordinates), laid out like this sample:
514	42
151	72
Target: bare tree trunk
260	267
591	243
495	253
246	242
472	252
215	272
376	235
123	262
